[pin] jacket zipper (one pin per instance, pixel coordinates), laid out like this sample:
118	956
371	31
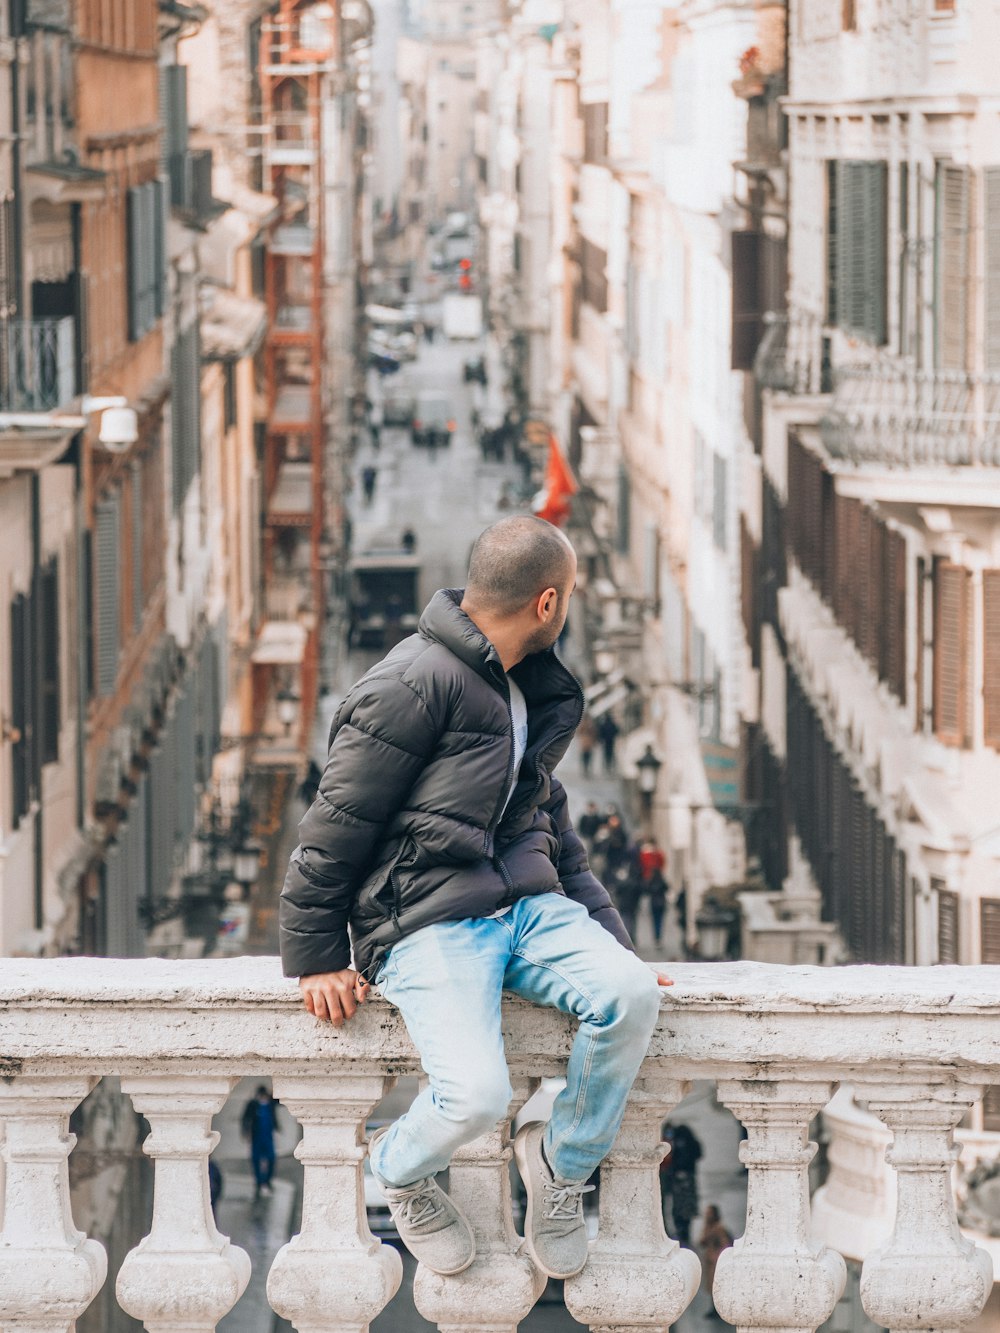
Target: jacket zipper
502	800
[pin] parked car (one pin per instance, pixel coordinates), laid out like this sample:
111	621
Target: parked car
399	408
433	421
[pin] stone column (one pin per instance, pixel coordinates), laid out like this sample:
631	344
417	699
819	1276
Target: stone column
49	1271
637	1277
502	1284
927	1276
184	1276
775	1279
334	1275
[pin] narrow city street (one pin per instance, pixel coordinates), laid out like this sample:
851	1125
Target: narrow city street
446	497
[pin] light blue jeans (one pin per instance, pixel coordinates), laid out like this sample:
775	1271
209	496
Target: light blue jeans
446	981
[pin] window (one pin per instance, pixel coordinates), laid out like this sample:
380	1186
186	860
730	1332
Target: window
595	132
145	224
107	581
991	657
951	652
857	243
991	216
48	673
185	411
138	554
595	280
989	930
229	393
719	500
624	527
20	715
952	265
947	911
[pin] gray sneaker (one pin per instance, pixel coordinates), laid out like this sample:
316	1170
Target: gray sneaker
432	1227
554	1228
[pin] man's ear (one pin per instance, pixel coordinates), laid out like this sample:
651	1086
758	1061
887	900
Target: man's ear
547	603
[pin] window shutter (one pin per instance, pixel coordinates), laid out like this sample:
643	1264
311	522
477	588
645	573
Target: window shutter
895	616
951	619
991	657
748	325
947	911
159	194
106	557
48	676
133	224
719	480
874	180
832	245
624	533
952	238
989	930
20	716
991	220
137	546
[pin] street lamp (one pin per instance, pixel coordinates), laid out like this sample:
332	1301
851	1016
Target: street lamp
287	709
246	864
648	765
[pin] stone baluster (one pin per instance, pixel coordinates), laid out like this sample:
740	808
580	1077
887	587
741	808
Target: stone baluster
775	1279
637	1277
334	1275
49	1271
928	1275
502	1284
184	1276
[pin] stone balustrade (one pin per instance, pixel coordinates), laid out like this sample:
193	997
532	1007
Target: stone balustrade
916	1045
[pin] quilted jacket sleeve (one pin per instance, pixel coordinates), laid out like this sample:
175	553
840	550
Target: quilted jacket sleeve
575	874
382	741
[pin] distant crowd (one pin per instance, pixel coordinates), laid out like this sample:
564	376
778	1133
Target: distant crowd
633	870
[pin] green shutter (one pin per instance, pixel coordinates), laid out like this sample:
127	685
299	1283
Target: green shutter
106	558
133	226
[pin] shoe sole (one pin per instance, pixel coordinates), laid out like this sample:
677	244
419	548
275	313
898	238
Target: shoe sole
521	1157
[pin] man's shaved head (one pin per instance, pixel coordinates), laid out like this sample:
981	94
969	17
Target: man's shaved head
514	561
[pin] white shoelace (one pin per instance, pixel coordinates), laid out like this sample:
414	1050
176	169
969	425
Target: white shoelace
420	1209
564	1203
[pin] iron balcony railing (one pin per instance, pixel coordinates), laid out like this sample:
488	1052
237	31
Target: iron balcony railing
891	414
38	370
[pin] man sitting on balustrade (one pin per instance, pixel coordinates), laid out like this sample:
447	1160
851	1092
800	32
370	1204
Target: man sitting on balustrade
440	837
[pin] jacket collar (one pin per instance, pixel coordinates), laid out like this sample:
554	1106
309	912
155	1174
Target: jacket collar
541	676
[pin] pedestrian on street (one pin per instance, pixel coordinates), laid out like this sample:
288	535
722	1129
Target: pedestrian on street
656	889
612	846
607	731
408	541
713	1240
259	1125
423	790
369	476
678	1179
589	823
586	740
628	895
214	1184
652	863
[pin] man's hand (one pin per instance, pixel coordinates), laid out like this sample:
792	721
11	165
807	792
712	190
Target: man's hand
661	980
334	995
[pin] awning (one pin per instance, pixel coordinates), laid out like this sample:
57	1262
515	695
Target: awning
386	314
232	327
594	691
722	769
293	492
610	700
280	643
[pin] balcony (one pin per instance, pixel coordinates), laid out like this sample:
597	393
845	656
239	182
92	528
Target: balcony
293	409
37	364
916	1045
190	176
892	415
293	239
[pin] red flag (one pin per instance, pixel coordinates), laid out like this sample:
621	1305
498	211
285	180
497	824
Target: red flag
560	484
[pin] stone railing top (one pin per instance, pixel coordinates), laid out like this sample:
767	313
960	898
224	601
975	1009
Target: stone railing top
743	1020
760	988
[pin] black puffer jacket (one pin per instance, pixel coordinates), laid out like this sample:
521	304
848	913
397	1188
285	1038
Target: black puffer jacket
406	828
